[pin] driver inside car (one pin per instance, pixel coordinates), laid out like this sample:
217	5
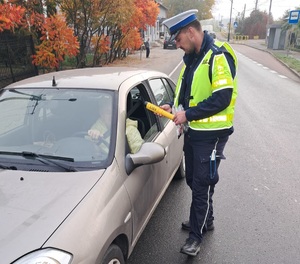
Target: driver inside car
101	129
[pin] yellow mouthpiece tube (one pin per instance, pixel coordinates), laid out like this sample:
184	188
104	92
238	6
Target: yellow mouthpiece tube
157	110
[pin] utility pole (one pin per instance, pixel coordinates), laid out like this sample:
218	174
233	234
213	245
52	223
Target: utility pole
270	7
244	12
268	23
228	39
256	5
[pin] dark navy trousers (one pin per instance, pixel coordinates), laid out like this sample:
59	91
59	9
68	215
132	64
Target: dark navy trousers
201	177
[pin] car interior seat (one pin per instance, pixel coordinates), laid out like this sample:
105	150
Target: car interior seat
132	107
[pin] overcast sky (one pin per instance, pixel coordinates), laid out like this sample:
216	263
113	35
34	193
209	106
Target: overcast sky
222	7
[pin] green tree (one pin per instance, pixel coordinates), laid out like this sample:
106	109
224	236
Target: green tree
285	22
177	6
293	30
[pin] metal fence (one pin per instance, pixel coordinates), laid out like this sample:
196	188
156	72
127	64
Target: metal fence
15	58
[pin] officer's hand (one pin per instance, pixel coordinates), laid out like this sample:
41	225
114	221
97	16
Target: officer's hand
166	107
180	118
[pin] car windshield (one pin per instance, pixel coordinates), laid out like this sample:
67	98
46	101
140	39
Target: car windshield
64	126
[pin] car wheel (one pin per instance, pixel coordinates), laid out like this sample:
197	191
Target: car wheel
113	255
180	173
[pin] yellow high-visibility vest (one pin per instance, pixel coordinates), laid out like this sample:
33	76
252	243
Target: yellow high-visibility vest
203	87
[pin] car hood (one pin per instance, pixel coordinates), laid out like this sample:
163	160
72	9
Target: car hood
33	205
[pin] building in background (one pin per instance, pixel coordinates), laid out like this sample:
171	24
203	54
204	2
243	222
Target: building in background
158	31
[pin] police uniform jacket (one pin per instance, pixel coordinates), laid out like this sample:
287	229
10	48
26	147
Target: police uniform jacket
214	104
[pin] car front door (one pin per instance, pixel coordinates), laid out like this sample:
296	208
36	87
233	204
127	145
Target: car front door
145	184
163	91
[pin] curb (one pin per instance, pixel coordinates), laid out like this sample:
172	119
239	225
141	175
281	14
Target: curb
270	52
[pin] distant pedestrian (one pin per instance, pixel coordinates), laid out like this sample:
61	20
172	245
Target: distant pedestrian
147	46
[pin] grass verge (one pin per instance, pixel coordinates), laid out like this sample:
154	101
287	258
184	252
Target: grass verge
291	62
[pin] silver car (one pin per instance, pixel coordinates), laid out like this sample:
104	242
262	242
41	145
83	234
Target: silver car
83	164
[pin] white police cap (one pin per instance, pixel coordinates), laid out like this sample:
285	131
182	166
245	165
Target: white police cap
175	23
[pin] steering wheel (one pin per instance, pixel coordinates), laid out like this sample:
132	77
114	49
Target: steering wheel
49	138
84	134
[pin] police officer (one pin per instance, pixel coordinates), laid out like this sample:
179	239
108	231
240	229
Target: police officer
207	90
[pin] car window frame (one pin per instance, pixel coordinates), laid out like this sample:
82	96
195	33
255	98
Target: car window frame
154	101
150	117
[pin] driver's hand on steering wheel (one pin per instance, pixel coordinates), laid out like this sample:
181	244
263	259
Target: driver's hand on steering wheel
94	134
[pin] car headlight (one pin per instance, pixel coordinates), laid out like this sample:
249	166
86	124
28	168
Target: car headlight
46	256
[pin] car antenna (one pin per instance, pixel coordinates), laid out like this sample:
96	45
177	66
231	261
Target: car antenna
54	82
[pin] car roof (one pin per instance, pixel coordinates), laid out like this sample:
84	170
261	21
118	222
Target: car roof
102	77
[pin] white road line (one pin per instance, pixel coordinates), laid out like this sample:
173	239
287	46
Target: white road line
258	64
175	68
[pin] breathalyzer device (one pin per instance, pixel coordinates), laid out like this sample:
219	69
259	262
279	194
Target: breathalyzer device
156	109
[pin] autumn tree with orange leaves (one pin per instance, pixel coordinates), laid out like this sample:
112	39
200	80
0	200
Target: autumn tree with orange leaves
57	41
11	16
139	15
145	13
54	39
108	27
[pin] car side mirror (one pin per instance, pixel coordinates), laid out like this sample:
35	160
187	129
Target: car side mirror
149	153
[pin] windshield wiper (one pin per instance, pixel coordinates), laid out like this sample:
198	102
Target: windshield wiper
46	159
31	97
7	167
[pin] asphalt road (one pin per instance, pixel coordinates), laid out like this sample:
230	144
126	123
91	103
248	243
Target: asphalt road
257	201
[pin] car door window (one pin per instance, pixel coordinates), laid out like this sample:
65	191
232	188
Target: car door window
170	89
146	120
163	94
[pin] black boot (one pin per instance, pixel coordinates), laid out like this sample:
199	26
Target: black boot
191	247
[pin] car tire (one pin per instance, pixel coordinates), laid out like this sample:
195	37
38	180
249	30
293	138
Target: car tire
113	255
180	173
